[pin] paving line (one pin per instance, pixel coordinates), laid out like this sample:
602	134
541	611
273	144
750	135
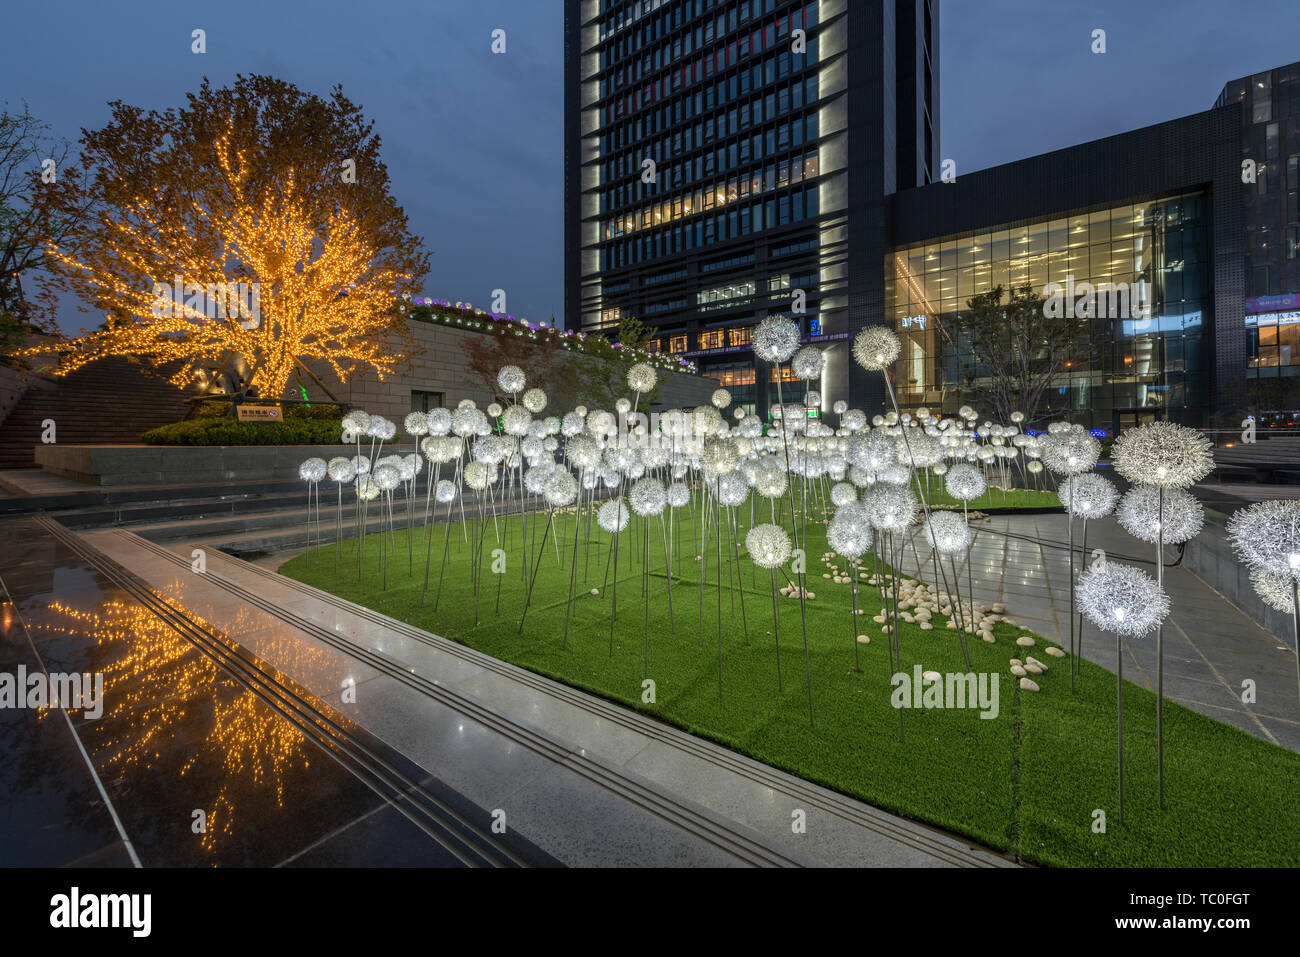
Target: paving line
884	825
441	823
99	784
650	800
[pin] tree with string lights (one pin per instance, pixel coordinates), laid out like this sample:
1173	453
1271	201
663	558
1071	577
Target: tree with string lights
255	221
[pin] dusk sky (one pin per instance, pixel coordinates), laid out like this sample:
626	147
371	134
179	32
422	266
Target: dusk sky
473	140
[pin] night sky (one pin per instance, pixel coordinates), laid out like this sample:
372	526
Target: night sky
473	140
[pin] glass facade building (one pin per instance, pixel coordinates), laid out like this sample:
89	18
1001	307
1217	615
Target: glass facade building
731	159
1138	274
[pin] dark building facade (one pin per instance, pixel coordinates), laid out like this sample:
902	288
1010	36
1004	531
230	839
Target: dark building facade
731	159
1270	150
708	177
1152	220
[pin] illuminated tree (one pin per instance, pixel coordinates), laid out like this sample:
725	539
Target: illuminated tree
257	221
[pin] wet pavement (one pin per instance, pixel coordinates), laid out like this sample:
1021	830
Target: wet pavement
186	766
1210	645
243	718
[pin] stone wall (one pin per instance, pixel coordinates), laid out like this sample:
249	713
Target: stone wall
13	383
115	465
438	364
12	386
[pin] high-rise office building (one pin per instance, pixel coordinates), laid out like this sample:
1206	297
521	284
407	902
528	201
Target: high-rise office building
729	159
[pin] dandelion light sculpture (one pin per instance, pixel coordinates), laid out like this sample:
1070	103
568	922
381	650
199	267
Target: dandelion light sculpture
965	483
1266	536
948	534
612	516
438	421
477	476
843	493
1167	456
312	471
1121	599
718	459
641	377
849	536
1128	603
853	420
511	380
648	499
341	470
769	547
559	490
534	400
776	340
386	478
1162	454
1070	451
1150	514
876	349
808	363
1087	496
891	509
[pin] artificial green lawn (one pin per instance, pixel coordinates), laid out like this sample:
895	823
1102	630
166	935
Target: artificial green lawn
1026	783
997	500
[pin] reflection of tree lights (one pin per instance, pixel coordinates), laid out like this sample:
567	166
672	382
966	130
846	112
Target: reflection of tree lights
158	680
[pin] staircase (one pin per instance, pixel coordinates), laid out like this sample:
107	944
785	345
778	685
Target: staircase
1273	460
111	401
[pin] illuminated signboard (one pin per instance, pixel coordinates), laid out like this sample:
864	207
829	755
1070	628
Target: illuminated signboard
775	412
1273	319
258	413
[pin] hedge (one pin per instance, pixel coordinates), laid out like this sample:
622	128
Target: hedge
209	430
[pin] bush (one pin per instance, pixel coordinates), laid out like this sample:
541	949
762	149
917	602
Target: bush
213	430
332	412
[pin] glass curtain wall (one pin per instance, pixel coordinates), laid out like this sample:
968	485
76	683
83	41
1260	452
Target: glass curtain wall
1143	350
